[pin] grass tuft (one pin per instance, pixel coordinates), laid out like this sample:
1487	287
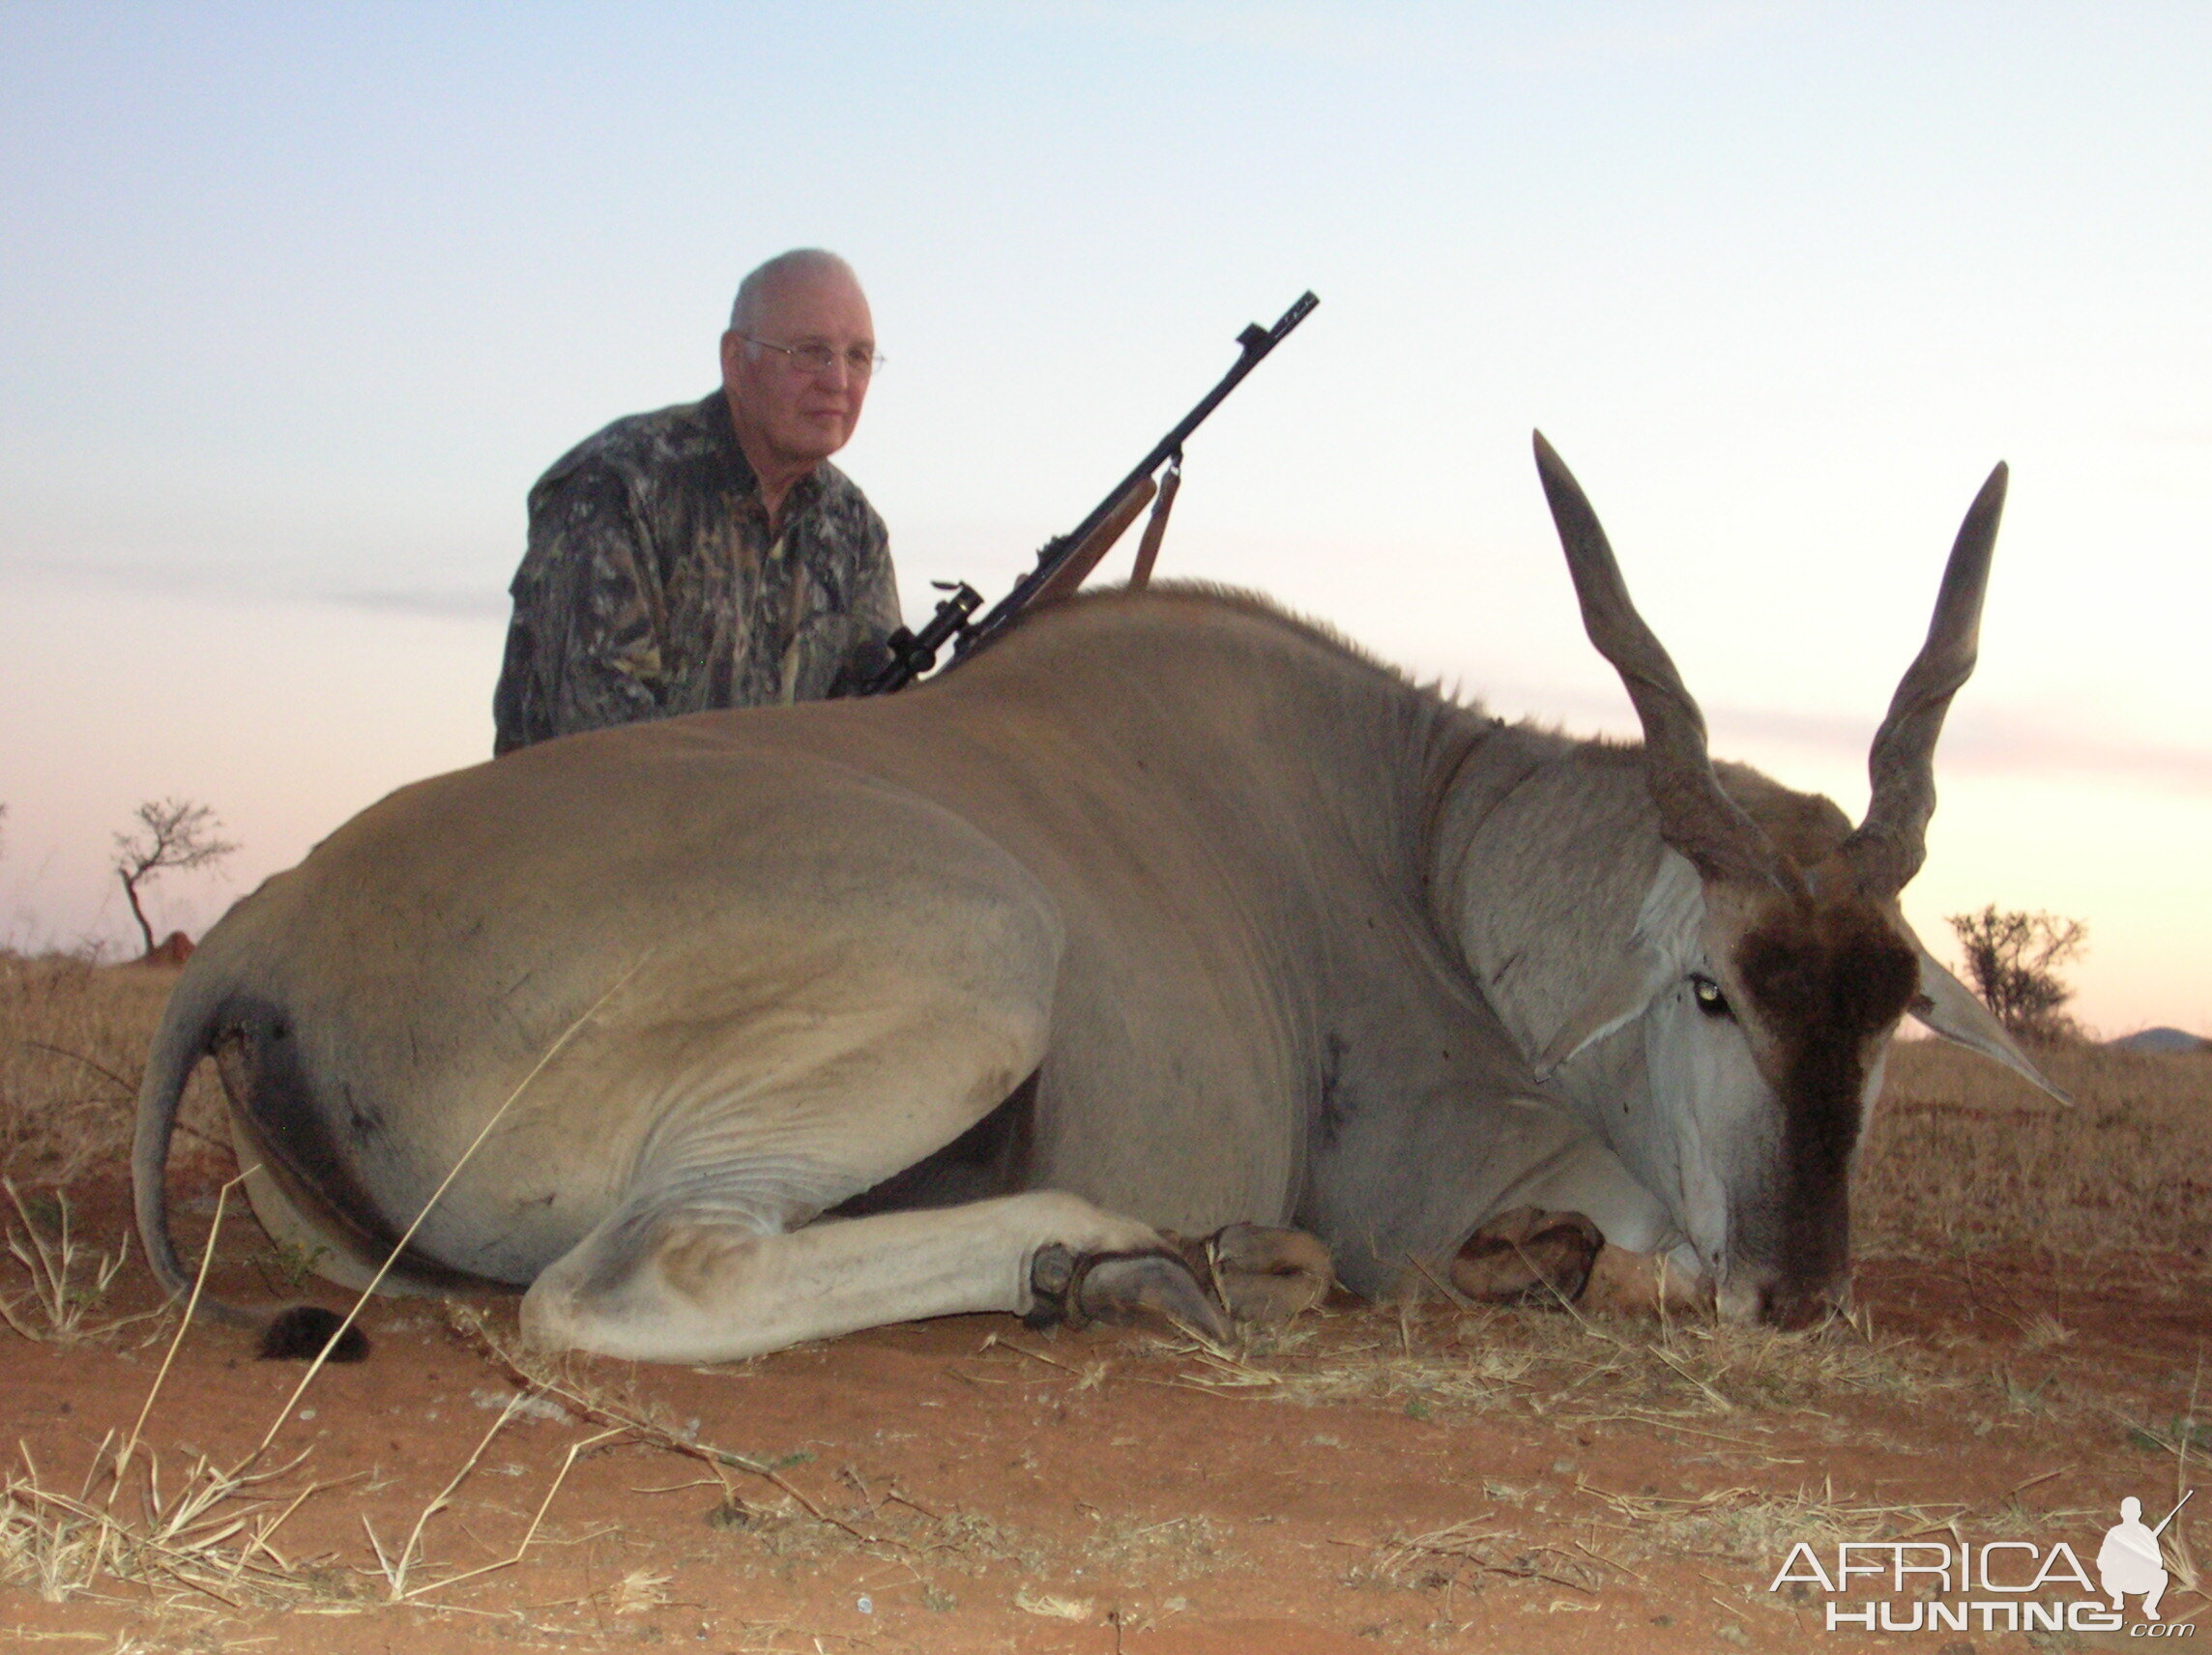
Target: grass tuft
65	1285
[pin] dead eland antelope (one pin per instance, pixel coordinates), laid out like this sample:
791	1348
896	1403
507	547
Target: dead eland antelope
1169	913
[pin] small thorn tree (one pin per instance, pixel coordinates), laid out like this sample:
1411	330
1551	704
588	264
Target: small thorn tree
2012	960
171	835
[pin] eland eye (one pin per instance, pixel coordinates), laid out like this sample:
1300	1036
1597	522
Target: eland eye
1710	1000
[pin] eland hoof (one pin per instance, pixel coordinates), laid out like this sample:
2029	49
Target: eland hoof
1528	1256
1261	1273
1642	1283
1120	1288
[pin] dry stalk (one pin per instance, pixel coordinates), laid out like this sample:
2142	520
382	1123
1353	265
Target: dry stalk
537	1376
69	1541
2185	1569
62	1299
1441	1555
191	1303
207	1536
396	1573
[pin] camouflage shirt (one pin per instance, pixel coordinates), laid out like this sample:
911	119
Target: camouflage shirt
654	584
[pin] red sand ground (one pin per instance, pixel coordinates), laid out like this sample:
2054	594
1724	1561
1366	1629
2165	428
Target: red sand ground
991	1489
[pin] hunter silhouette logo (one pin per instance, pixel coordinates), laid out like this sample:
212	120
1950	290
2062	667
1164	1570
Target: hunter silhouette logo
2128	1560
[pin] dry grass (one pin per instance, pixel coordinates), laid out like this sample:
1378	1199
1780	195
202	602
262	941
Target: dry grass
73	1038
875	1520
1568	1370
213	1533
1467	1555
1962	1157
2185	1437
1743	1524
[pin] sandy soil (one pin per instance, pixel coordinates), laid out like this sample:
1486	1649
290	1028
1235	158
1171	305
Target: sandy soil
1508	1481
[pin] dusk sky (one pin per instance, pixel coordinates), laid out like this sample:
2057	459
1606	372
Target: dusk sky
296	300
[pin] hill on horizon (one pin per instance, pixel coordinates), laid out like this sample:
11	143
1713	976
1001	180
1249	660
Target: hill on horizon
2161	1040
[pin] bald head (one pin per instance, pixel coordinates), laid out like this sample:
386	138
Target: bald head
801	267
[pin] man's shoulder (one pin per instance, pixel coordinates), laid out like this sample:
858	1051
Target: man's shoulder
840	500
639	446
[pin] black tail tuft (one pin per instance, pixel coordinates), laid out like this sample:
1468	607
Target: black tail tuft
300	1334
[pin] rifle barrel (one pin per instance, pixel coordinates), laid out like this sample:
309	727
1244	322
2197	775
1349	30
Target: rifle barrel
912	655
2174	1513
1256	343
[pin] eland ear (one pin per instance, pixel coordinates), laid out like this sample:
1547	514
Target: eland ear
1948	1007
1619	1001
1657	953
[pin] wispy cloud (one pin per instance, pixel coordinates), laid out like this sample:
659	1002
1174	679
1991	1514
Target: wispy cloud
1977	740
1999	741
221	583
466	606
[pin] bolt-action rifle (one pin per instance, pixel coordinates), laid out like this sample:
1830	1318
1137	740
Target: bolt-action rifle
1067	558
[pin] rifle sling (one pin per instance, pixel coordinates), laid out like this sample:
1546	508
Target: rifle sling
1156	528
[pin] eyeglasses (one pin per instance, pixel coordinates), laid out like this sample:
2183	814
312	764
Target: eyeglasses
859	361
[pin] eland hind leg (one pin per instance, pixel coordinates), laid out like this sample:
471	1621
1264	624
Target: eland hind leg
719	1248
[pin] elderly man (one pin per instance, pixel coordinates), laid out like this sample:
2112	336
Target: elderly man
708	555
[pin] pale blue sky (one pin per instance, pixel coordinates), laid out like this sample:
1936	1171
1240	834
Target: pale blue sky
295	301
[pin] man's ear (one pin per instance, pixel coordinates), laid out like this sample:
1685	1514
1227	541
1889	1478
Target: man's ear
1950	1008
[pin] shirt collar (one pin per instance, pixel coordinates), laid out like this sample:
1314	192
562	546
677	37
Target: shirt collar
723	431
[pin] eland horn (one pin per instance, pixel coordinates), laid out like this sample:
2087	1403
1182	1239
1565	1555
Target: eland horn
1694	816
1889	846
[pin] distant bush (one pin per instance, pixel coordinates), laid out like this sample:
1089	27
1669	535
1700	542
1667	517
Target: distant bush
2012	960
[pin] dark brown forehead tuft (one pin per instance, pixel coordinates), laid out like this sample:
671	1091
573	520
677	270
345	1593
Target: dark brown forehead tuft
1825	977
1839	971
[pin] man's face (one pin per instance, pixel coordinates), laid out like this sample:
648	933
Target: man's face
784	411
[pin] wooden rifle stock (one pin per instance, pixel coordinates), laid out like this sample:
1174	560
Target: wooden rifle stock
1097	544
